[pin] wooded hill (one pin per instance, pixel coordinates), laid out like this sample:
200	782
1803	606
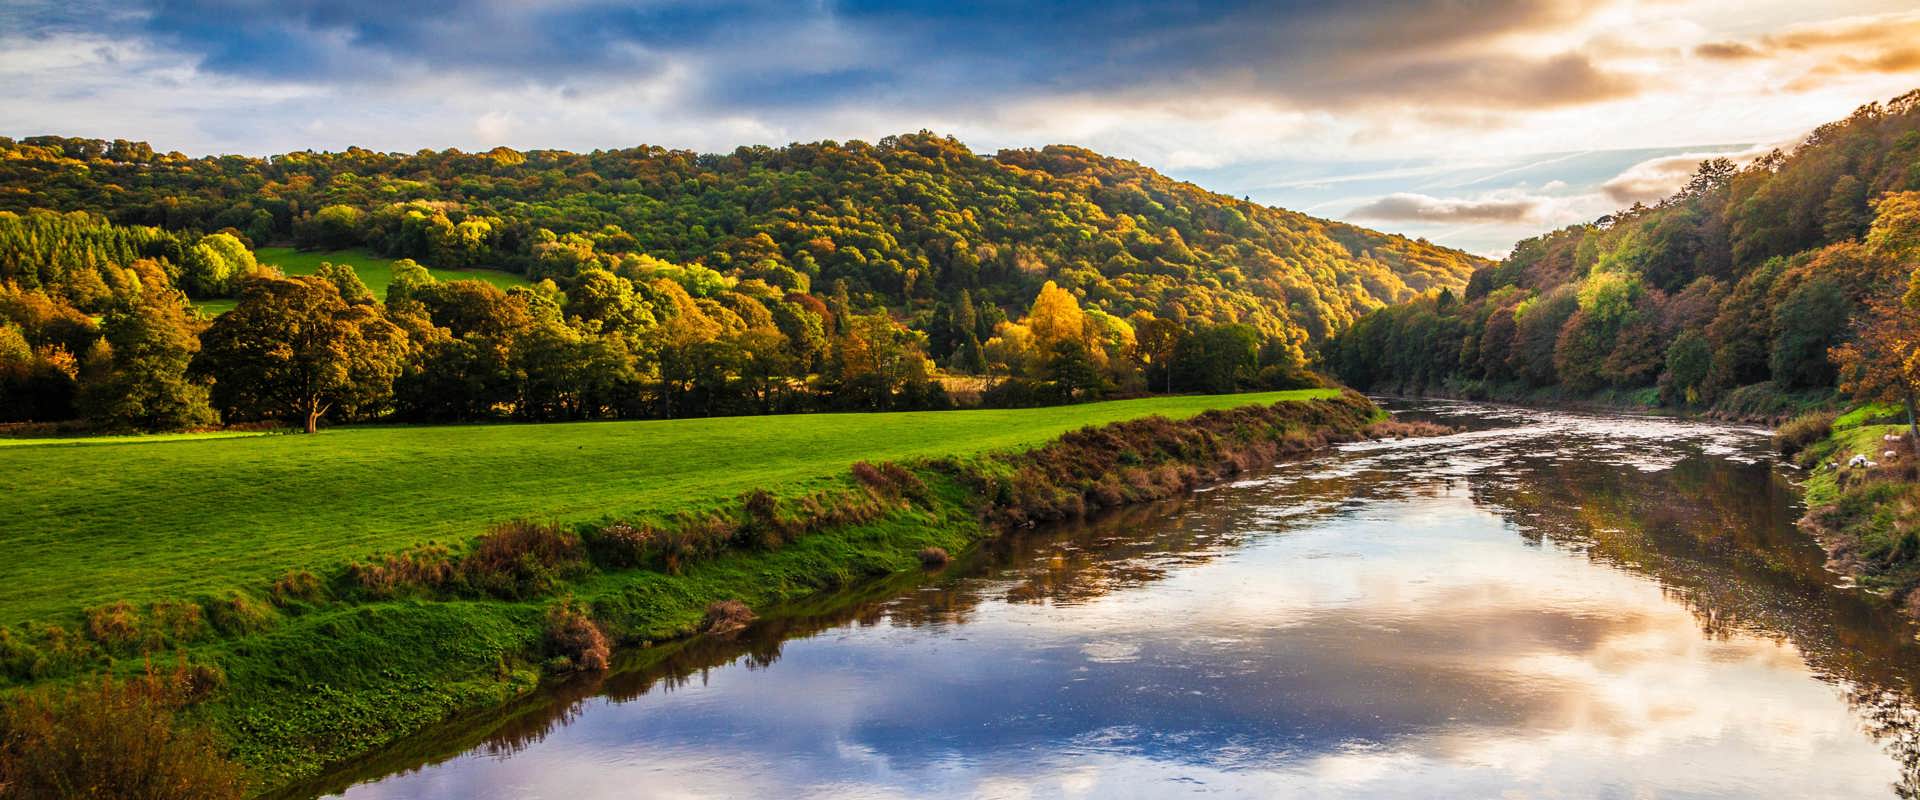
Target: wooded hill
1740	291
773	270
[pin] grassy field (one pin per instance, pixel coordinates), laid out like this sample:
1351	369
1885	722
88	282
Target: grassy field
87	522
375	271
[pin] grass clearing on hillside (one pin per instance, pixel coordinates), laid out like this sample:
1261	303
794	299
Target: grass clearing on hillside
131	438
373	270
90	523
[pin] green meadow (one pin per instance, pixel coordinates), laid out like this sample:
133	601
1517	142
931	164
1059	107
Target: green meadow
373	270
85	522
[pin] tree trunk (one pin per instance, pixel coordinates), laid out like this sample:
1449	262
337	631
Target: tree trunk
315	408
1913	428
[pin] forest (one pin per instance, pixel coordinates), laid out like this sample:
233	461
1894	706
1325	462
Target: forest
663	283
1753	291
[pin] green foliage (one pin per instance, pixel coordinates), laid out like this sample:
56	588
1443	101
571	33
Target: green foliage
294	348
1809	322
1689	360
1754	277
906	222
140	378
215	266
1216	359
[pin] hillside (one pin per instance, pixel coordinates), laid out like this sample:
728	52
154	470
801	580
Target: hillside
1729	294
649	283
908	222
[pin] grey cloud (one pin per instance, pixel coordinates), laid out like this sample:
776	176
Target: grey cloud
1409	207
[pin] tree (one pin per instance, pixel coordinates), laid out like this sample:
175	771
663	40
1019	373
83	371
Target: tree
1882	364
215	265
1156	339
35	383
144	383
1071	371
1217	358
1811	320
333	227
410	282
1689	361
1845	214
343	278
876	364
1056	317
294	348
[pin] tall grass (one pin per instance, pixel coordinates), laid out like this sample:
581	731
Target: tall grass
114	738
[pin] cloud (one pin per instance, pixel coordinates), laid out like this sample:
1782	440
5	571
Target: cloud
1727	51
1829	49
1412	207
1656	179
760	54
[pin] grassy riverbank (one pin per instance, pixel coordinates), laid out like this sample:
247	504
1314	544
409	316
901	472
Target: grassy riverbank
140	520
1862	496
334	659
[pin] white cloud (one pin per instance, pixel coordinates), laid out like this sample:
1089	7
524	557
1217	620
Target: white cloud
1658	178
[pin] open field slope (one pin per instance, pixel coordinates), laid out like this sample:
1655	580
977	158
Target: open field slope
86	523
374	271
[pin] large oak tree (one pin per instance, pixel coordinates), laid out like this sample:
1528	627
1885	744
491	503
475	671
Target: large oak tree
293	347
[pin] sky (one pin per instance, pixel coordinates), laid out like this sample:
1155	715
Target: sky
1470	122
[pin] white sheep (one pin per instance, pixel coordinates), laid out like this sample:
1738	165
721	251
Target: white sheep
1860	461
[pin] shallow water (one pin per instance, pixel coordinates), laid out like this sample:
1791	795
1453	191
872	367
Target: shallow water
1550	605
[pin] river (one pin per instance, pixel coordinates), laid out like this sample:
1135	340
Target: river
1548	605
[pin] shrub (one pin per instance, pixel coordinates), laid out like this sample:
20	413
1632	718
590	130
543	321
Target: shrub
694	536
726	616
573	636
934	557
116	626
177	622
870	475
421	568
1798	433
34	651
113	738
521	559
760	522
890	480
623	546
298	586
239	613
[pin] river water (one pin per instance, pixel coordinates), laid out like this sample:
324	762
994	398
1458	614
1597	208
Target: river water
1548	605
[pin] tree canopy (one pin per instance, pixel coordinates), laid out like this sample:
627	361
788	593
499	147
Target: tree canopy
1742	284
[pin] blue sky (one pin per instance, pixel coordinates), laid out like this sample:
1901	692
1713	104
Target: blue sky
1471	122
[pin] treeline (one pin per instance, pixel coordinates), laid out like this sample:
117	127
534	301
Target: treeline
93	325
917	225
1742	290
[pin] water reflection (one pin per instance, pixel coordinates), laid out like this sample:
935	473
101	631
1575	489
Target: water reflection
1548	605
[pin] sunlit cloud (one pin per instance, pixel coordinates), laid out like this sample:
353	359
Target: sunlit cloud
1658	178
